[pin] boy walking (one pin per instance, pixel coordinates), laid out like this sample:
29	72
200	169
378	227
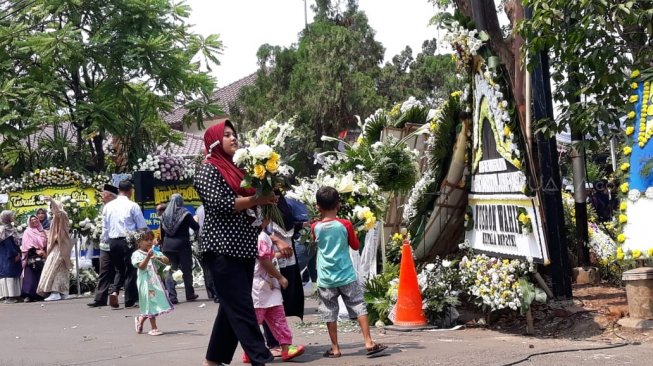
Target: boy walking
335	272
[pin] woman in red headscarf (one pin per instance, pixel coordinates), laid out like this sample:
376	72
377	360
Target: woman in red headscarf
229	244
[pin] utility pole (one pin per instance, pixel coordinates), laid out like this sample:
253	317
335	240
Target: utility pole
578	167
305	17
550	179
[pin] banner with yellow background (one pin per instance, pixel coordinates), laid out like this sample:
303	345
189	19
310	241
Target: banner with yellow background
27	202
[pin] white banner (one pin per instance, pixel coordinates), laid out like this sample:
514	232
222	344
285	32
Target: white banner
497	230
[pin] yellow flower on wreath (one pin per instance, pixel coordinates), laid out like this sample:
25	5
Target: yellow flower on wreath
621	238
637	253
630	130
628	150
623	206
516	163
523	218
623	219
397	237
634	86
649	252
624	166
624	187
633	98
457	93
506	131
272	165
631	115
649	110
259	171
634	74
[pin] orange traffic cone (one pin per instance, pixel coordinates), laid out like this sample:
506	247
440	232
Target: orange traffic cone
409	311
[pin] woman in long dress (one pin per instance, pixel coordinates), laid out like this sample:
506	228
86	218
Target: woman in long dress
10	263
55	278
33	246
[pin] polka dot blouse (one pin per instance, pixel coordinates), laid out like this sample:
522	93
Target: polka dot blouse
225	231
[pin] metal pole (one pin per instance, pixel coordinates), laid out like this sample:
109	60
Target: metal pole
305	16
613	154
77	238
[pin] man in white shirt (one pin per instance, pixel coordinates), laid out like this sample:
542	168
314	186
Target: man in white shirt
107	270
120	217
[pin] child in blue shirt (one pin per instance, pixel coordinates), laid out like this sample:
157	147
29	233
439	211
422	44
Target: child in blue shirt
335	272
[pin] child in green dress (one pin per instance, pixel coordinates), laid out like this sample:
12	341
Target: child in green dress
152	297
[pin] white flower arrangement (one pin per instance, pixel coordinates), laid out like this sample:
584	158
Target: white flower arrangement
51	177
272	133
411	103
600	242
464	41
166	167
494	282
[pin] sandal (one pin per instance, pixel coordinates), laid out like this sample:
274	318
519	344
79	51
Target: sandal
329	354
378	347
293	351
138	326
276	352
155	332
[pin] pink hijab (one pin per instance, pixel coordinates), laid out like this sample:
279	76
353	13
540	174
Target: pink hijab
34	237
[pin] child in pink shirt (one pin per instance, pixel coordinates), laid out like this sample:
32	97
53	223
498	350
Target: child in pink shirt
268	302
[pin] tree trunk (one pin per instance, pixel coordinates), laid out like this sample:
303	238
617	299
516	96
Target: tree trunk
98	142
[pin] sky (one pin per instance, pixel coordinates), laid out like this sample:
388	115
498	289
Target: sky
244	25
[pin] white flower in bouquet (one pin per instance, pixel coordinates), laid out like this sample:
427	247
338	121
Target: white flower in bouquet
446	263
178	276
261	152
240	156
285	170
346	184
430	267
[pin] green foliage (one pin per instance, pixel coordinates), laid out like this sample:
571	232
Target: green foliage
439	158
326	79
77	62
428	76
376	296
593	44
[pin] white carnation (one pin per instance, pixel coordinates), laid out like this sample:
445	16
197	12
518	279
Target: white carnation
240	156
261	152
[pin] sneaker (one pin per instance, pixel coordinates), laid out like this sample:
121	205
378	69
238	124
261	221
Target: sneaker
55	296
64	296
11	300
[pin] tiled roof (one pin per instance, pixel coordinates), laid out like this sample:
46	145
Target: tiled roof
191	144
224	96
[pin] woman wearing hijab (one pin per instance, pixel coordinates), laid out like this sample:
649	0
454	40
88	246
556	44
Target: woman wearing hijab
175	224
55	278
33	246
10	263
42	215
229	244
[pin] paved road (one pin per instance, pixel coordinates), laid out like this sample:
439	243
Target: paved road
69	333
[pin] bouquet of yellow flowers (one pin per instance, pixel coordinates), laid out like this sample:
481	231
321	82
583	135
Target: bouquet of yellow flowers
263	172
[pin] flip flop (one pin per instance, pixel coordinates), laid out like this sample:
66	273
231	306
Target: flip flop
329	354
378	347
155	332
276	352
